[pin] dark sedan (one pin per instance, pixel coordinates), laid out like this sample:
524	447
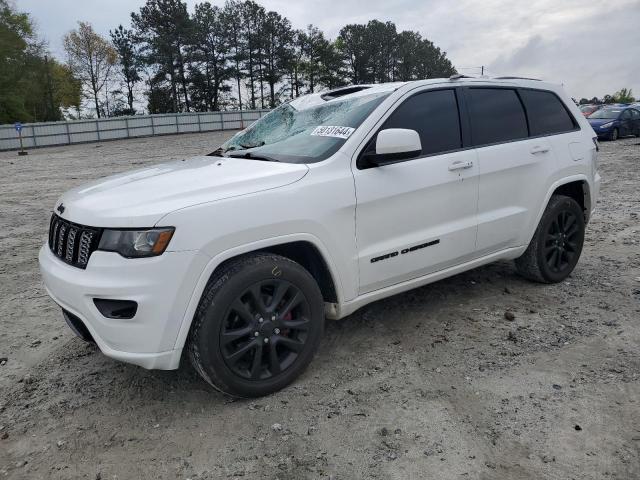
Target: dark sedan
614	122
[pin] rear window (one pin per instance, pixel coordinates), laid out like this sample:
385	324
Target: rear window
547	115
496	115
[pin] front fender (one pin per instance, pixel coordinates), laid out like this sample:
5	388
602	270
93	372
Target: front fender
221	257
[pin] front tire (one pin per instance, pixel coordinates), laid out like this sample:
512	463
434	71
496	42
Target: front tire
614	134
557	243
258	325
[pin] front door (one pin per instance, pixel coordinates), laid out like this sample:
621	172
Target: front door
418	216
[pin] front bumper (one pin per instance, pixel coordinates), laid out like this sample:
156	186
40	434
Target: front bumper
162	286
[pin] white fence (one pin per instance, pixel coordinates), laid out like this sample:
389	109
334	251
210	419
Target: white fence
82	131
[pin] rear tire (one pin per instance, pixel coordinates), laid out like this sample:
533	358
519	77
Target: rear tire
258	325
557	243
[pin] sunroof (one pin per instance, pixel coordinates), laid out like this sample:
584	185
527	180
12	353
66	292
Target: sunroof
343	91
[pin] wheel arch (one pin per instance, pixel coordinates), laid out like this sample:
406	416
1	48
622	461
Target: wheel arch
574	186
307	254
304	249
578	190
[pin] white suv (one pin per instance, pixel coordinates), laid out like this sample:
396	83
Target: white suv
329	202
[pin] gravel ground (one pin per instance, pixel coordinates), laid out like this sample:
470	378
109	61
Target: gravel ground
434	383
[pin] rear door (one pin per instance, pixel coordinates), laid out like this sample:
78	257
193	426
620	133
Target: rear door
513	168
635	120
626	123
417	216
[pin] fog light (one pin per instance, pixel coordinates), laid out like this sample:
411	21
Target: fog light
117	309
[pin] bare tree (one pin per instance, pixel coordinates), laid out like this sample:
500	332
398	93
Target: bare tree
91	58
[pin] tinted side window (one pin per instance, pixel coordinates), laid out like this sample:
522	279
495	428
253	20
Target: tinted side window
496	115
547	114
434	115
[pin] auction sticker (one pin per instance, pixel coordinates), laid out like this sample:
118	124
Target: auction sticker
332	131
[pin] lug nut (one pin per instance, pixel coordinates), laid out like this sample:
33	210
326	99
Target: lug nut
255	334
260	320
273	318
277	331
266	340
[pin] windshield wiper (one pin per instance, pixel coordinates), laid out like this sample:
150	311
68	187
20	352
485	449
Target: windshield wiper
254	145
252	156
234	148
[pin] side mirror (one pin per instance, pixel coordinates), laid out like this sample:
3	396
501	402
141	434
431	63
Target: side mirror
395	144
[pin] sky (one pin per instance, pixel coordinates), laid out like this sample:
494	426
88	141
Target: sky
592	47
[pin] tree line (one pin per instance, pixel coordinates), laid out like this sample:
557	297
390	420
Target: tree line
624	95
241	56
169	59
235	56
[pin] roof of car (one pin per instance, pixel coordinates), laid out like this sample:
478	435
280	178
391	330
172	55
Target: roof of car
352	91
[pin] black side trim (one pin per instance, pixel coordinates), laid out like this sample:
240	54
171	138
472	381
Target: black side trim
404	251
380	160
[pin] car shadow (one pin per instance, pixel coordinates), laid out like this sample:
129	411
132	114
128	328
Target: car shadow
397	315
374	327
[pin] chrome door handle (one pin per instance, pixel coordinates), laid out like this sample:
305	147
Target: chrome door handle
460	165
537	149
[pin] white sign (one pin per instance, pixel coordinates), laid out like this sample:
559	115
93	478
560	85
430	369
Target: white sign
332	131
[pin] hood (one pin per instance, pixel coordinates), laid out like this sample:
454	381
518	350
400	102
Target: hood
596	122
142	197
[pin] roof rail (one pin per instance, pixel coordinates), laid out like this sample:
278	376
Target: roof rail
517	78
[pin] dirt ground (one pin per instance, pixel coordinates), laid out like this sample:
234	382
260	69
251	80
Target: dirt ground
433	384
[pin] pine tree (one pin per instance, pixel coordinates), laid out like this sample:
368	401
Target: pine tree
129	61
166	29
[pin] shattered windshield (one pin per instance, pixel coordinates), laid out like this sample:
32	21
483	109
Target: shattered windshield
299	133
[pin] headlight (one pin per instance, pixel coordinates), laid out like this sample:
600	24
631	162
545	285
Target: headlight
136	243
606	125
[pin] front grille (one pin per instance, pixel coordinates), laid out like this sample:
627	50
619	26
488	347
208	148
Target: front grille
72	243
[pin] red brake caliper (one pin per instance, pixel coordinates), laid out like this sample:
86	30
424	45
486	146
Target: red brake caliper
287	318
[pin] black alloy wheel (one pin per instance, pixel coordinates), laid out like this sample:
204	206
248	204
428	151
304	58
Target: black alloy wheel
555	248
562	241
258	325
265	329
